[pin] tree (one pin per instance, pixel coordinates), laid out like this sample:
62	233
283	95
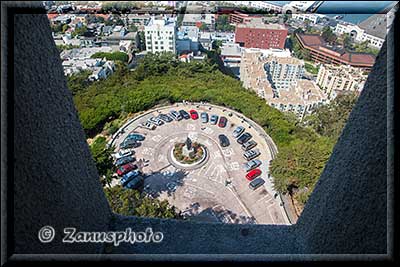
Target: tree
103	159
203	27
328	35
329	120
80	31
121	56
222	24
65	27
130	202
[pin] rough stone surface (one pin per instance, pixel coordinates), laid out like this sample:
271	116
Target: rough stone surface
56	182
55	179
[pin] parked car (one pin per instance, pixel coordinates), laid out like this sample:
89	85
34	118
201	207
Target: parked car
122	154
244	138
135	182
148	125
256	183
252	164
253	174
184	114
124	160
129	143
249	145
223	140
238	131
155	121
172	186
222	122
126	168
175	115
194	114
135	136
126	178
251	154
214	119
164	118
204	117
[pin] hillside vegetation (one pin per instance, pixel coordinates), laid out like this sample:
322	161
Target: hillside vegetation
303	151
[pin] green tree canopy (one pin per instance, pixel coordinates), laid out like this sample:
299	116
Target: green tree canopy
130	202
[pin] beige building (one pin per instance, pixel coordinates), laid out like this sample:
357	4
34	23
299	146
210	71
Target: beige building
333	78
301	96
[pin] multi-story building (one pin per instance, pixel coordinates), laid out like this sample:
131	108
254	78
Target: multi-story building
333	78
283	72
196	19
373	29
160	35
301	96
237	17
259	35
314	18
327	54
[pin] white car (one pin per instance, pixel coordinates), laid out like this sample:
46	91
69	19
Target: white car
123	153
148	125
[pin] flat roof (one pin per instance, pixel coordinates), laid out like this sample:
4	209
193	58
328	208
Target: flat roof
257	25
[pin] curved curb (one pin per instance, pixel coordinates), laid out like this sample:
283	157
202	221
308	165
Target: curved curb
188	167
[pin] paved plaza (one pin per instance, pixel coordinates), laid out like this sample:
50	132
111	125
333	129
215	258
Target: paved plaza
217	191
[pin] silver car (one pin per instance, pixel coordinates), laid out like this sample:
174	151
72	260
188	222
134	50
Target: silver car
175	115
252	164
238	131
214	119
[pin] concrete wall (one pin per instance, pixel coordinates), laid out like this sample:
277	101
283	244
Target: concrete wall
56	183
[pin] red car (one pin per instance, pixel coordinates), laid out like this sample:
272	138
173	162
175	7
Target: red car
126	168
222	122
253	174
194	114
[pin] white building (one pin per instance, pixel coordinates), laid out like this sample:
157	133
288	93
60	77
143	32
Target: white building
160	35
196	19
314	18
373	30
283	72
269	6
333	78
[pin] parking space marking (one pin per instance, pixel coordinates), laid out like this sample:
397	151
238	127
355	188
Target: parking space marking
193	136
148	151
217	155
190	127
234	166
267	195
228	152
156	138
208	131
162	158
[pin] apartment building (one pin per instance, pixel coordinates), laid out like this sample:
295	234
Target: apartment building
283	72
333	78
261	35
197	19
160	35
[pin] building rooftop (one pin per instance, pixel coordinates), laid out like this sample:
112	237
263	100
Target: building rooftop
231	50
316	42
375	25
258	25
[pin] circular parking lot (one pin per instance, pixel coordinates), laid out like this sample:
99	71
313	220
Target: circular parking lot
215	188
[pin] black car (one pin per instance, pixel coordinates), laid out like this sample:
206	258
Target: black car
165	118
223	140
184	114
129	143
256	183
244	138
124	160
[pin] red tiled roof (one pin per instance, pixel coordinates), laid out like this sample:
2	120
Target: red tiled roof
311	40
52	16
362	58
104	16
315	42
